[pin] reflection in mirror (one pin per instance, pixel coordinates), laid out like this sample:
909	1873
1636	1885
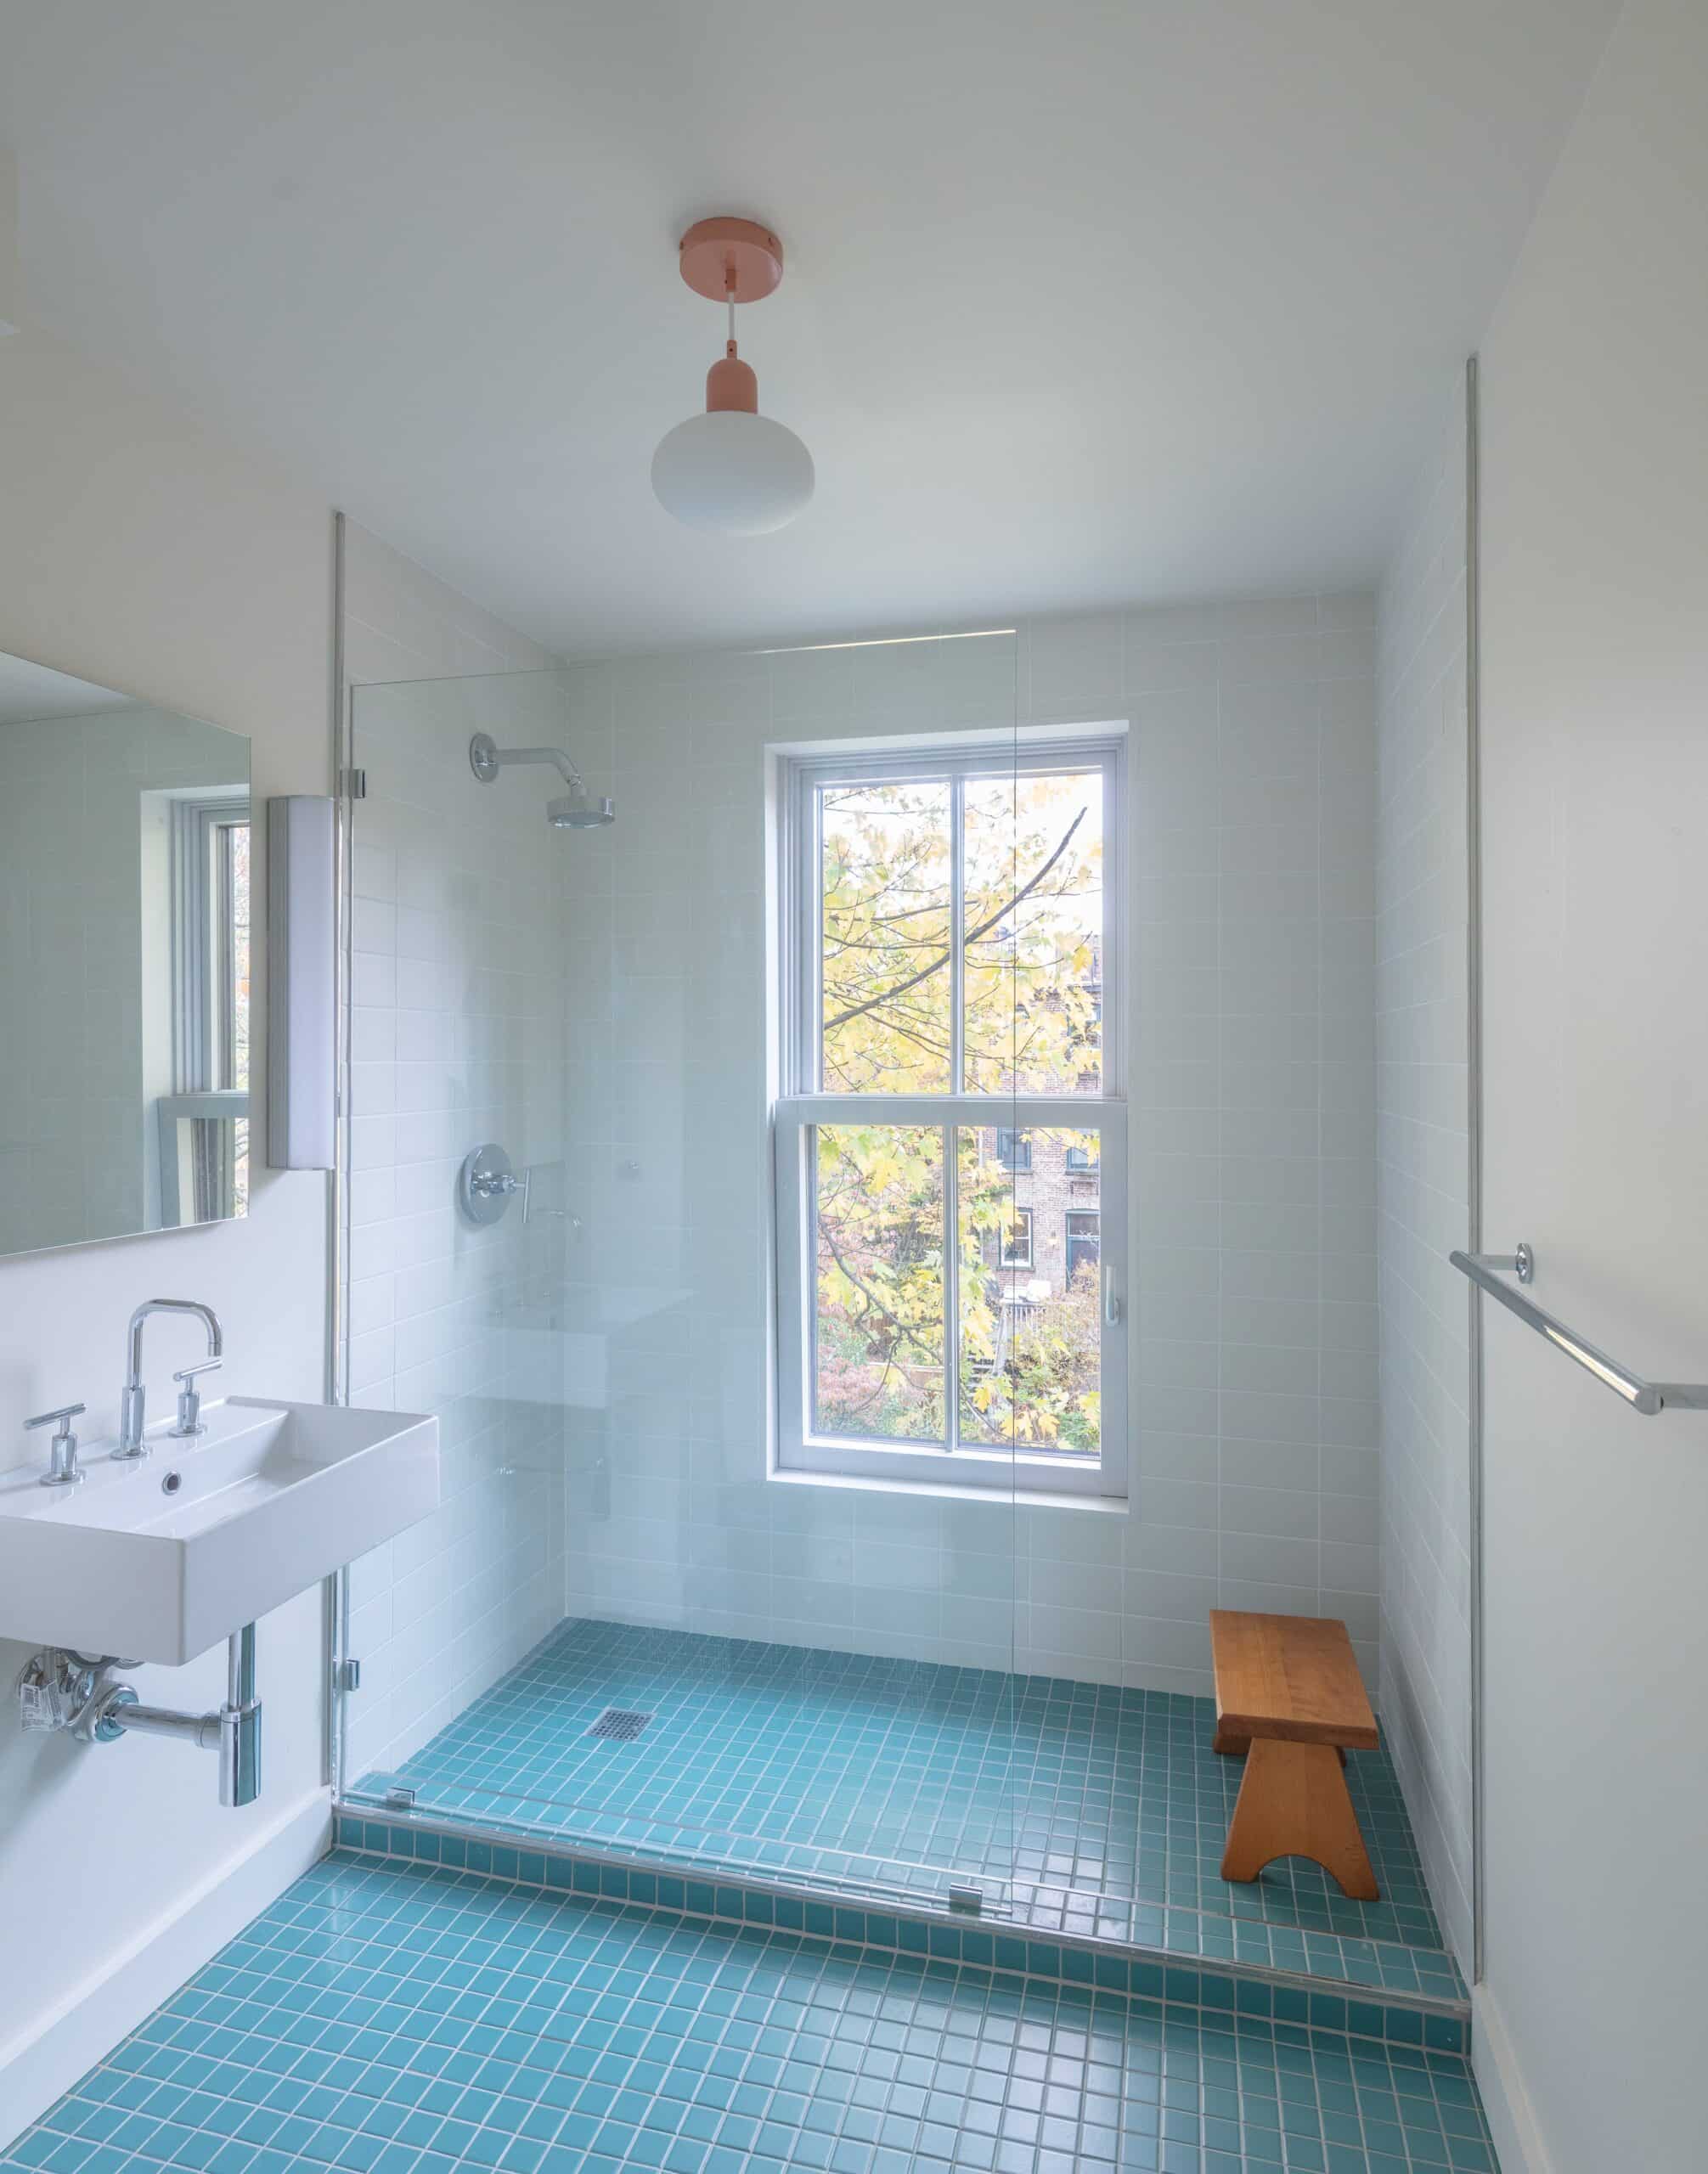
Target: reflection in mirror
124	964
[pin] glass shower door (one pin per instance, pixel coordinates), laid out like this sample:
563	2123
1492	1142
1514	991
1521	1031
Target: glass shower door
653	1616
454	1033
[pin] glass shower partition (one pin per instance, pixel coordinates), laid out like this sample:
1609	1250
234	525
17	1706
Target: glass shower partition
734	1330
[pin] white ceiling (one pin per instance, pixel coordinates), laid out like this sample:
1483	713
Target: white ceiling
1106	299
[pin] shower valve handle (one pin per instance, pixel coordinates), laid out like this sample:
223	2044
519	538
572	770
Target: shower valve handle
491	1184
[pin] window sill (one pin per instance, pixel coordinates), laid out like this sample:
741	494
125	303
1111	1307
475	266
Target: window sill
1022	1498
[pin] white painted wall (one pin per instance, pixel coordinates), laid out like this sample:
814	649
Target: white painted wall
1422	1141
1595	785
1253	792
138	552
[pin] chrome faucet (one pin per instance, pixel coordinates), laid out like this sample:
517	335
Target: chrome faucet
134	1397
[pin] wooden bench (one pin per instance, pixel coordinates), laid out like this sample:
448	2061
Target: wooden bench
1288	1696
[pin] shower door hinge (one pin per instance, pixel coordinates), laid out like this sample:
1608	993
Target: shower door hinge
349	1674
354	784
398	1798
964	1895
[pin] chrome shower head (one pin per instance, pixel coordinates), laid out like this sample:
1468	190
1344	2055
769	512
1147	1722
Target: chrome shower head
571	811
574	811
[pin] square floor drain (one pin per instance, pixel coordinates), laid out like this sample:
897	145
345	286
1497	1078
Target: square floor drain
619	1721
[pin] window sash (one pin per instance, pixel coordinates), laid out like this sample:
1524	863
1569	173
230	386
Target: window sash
803	905
798	1447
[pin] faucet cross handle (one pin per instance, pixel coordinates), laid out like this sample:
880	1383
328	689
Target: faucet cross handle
189	1418
63	1468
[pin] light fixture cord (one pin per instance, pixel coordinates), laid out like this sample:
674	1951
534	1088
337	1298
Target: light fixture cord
730	298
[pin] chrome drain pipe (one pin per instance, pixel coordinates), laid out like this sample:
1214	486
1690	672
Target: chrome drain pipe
233	1730
240	1722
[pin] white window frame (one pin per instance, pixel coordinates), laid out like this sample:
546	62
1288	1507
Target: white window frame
802	1105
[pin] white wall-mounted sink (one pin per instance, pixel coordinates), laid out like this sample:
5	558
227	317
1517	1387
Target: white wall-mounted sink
158	1559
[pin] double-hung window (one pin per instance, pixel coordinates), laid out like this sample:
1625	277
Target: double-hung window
950	1123
204	1123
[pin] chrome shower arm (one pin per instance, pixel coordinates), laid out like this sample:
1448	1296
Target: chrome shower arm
571	774
487	759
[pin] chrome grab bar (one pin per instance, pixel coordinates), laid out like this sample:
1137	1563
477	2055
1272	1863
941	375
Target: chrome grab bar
1487	1271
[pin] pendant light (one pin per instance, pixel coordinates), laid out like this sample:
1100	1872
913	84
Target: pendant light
732	470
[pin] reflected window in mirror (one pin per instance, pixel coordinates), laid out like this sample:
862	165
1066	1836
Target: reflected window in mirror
203	1143
124	964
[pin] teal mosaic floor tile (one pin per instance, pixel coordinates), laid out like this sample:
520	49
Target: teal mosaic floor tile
398	2020
1076	1807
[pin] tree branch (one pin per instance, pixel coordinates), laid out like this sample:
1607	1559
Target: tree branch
972	936
901	1329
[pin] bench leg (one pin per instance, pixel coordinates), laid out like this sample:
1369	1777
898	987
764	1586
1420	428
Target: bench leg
1293	1803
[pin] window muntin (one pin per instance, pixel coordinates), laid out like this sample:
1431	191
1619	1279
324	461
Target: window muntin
945	949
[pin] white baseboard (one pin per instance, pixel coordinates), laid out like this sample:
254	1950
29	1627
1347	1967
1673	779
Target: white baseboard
1512	2119
40	2064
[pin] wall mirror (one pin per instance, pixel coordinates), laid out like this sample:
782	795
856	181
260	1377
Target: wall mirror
124	964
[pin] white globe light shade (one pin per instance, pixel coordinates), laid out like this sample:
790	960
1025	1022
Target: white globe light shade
738	474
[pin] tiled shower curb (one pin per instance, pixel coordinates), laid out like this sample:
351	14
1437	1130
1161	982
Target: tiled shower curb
1360	1967
1257	1990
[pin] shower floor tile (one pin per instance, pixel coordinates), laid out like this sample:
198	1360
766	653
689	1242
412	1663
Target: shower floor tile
1083	1808
406	2021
